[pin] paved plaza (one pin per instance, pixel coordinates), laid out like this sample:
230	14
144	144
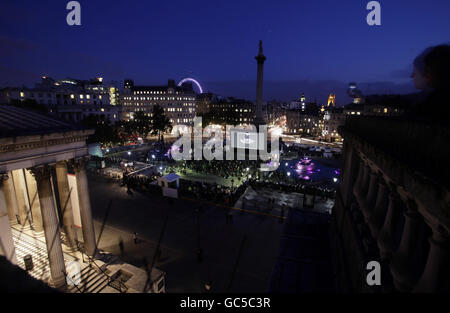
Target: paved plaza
237	256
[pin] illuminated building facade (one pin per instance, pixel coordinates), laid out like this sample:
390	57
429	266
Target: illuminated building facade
203	102
233	111
299	104
178	102
69	99
333	118
331	100
303	122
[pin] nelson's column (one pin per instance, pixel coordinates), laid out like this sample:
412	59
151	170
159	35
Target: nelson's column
260	58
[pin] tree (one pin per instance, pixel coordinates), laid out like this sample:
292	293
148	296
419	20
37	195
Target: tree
142	124
105	134
126	131
160	122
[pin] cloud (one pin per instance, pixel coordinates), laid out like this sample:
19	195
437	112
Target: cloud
318	90
11	47
13	77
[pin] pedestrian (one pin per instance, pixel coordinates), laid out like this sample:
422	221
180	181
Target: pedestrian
121	246
135	237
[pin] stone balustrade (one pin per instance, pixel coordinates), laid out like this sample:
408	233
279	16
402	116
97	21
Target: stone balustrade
391	211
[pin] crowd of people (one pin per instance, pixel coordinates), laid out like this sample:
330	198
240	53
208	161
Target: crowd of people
218	194
226	169
244	173
142	183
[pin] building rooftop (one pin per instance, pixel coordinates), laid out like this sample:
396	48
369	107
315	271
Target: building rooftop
16	121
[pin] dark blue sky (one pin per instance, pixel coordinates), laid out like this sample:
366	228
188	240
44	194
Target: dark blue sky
311	46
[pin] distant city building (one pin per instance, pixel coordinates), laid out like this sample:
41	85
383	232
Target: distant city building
178	102
203	102
386	105
233	111
69	99
333	118
275	111
303	122
354	109
299	104
332	100
355	93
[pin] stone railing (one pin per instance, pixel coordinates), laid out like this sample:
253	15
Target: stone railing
393	205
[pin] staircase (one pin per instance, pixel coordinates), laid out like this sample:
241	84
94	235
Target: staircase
91	281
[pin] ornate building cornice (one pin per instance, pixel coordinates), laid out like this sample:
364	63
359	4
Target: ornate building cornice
41	144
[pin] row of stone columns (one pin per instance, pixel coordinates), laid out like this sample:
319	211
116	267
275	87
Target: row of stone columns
41	207
6	241
381	207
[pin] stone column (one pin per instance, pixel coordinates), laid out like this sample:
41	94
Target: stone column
378	215
260	58
437	261
34	203
387	233
11	200
51	227
87	224
6	240
22	201
66	205
402	277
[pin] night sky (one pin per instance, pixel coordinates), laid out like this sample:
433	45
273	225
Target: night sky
314	47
